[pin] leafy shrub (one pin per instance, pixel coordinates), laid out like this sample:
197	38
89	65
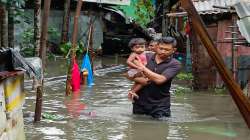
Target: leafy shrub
185	76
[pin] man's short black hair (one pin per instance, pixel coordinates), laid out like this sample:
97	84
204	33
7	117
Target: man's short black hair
154	40
168	40
136	41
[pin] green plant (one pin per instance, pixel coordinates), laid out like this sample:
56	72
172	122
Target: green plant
53	33
181	90
27	42
220	91
51	56
28	37
65	48
29	52
141	11
16	3
145	11
185	76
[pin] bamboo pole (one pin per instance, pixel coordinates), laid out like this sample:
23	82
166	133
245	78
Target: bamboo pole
90	43
241	101
73	53
42	55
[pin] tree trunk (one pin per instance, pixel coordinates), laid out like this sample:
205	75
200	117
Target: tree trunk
1	19
44	34
11	11
3	27
42	55
66	18
37	36
37	25
164	17
74	41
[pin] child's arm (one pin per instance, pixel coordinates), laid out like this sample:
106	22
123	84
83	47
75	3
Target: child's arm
130	60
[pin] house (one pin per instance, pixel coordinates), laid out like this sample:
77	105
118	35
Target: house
221	20
112	28
230	36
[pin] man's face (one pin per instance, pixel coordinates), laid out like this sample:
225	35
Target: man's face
165	50
152	46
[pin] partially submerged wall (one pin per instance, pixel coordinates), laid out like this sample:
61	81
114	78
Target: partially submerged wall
11	102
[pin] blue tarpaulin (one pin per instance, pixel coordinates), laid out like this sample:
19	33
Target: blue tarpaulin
86	65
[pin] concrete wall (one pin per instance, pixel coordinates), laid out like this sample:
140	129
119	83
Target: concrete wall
11	102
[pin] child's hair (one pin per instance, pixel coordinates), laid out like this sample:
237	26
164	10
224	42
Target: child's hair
136	41
168	40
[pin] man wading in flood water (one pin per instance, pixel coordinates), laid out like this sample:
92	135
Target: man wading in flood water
154	97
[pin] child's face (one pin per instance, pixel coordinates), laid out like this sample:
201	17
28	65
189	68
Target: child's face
139	48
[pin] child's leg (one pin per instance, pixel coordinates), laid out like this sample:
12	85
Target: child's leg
136	87
132	93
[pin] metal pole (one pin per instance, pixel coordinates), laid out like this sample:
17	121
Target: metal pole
73	53
241	101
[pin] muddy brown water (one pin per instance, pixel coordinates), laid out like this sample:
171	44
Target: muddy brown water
103	112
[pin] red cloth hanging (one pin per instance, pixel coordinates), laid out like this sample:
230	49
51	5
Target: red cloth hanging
188	28
75	80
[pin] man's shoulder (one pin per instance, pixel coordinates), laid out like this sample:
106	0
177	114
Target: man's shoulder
149	54
176	62
173	60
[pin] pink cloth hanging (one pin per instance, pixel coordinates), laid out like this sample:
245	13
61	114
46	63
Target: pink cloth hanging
75	80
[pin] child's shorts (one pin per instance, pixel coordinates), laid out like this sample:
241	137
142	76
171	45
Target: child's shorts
132	72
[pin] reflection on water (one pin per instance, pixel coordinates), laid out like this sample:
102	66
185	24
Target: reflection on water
74	106
103	112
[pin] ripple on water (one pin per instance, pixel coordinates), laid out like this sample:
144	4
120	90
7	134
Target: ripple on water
113	117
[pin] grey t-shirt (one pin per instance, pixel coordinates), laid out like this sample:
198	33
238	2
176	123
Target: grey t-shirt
155	97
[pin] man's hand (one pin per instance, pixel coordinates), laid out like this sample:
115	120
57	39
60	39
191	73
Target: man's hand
138	63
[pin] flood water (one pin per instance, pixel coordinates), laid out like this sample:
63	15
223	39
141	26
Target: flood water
103	112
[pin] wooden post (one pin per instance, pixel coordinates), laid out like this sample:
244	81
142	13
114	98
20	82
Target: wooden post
42	55
73	53
234	48
241	101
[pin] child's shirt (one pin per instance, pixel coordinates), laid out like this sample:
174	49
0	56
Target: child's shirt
143	58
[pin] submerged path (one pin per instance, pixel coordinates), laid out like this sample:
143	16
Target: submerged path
103	112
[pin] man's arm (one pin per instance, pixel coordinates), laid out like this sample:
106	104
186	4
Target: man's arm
159	78
152	76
